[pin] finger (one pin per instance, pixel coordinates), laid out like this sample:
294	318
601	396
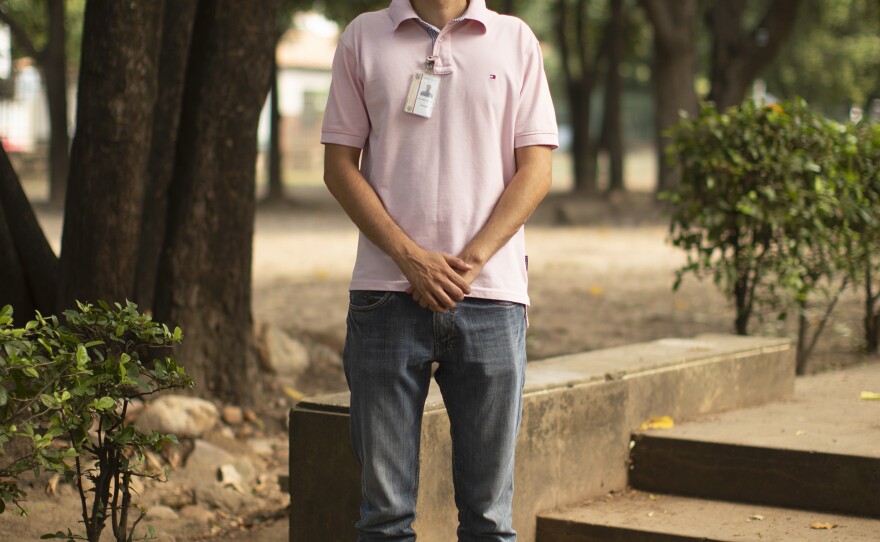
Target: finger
456	293
457	263
461	283
443	300
409	290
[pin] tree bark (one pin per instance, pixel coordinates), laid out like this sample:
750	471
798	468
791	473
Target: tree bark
612	133
54	69
579	70
674	70
32	252
739	55
117	91
177	28
276	184
205	273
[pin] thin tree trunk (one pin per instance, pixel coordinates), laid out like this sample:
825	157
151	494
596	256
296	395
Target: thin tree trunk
205	273
33	254
739	54
104	206
612	133
872	315
177	30
674	71
579	77
276	184
55	73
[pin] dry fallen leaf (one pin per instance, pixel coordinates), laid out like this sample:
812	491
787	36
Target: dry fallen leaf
52	486
659	422
869	396
822	525
756	517
292	393
597	291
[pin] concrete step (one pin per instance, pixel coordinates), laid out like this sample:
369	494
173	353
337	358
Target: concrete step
635	516
817	451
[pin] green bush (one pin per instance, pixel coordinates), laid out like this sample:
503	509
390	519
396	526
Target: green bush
65	388
860	170
759	210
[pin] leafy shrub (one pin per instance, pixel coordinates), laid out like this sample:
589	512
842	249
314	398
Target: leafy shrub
860	170
759	209
65	389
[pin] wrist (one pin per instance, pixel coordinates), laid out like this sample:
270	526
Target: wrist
404	251
474	257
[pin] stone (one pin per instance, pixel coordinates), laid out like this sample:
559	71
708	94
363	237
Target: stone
232	415
196	513
286	355
262	446
229	476
207	457
180	415
161	512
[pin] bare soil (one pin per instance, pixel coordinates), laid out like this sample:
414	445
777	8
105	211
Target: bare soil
601	273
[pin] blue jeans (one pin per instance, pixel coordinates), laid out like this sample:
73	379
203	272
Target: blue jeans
479	347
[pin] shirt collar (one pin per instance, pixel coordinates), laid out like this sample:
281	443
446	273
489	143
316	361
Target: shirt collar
402	10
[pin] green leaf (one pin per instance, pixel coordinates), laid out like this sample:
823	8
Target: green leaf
82	356
104	403
3	396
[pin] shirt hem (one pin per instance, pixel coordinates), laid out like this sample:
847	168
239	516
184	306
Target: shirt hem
478	293
549	139
348	140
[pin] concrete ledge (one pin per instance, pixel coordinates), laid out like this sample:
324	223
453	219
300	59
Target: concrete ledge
578	414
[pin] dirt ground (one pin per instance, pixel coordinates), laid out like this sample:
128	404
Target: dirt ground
600	275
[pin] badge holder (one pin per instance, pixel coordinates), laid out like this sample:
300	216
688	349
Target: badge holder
423	91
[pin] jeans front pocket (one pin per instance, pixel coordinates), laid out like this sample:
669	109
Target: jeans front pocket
367	300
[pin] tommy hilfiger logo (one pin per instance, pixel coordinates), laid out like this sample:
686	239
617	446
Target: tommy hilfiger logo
492	76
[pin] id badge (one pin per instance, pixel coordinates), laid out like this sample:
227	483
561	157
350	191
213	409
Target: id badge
422	94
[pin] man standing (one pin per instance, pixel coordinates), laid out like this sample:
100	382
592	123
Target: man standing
444	186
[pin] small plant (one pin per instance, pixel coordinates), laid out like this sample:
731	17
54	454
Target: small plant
65	389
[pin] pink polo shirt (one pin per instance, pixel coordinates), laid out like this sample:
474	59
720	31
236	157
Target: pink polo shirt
440	177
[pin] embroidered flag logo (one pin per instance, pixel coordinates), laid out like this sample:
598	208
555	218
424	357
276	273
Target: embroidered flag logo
492	76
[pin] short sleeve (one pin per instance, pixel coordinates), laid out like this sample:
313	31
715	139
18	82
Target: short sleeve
346	121
535	116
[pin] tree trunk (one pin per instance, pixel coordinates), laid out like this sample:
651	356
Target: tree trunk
583	150
674	70
612	134
117	91
205	273
32	252
578	68
872	314
177	30
276	184
55	73
739	55
13	284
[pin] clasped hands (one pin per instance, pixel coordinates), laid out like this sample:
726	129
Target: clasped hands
437	280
